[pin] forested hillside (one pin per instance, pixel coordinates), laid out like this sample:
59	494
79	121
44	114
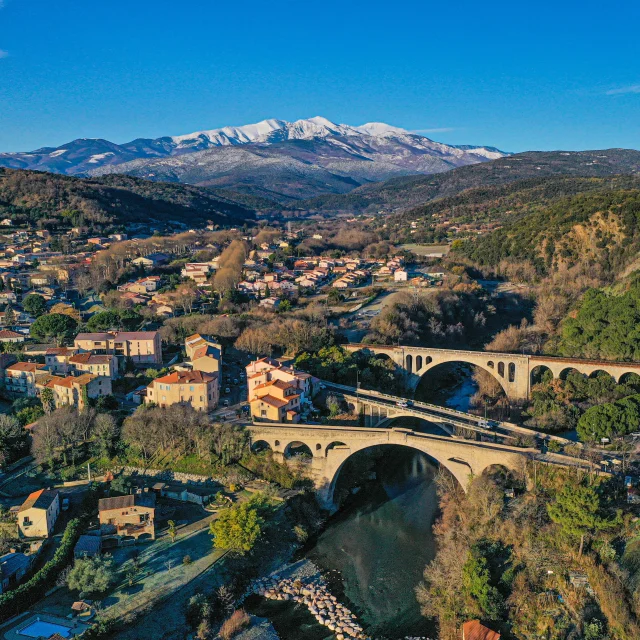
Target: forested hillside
409	192
48	199
599	226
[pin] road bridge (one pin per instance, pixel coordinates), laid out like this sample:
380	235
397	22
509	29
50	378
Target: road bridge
515	372
332	446
380	409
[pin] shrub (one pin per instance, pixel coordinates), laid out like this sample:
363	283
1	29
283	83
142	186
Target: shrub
235	623
21	598
186	560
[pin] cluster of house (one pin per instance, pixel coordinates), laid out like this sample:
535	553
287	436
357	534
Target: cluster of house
308	274
279	393
128	518
83	371
87	369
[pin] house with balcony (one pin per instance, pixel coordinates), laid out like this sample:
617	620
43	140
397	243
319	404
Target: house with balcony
20	378
97	364
56	360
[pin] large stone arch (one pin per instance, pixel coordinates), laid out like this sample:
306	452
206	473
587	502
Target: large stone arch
486	364
463	460
460	457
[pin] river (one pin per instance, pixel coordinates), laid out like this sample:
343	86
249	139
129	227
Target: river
381	541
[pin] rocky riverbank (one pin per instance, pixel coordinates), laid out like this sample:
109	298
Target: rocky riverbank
302	584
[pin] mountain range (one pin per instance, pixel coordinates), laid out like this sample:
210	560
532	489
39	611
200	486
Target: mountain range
279	160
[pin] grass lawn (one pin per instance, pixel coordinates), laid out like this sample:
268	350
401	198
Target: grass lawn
426	249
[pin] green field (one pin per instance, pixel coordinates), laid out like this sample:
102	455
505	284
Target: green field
426	249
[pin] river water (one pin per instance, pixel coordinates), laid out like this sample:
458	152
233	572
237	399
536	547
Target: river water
381	541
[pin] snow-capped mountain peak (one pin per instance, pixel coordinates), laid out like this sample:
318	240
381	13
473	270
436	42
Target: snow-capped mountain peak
269	153
380	129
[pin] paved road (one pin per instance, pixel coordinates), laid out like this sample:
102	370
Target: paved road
442	414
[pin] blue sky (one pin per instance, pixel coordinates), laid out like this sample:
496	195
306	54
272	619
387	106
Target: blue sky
516	75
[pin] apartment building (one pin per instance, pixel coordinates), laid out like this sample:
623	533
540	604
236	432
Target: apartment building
20	378
57	360
269	369
99	365
143	347
203	353
197	389
275	401
76	391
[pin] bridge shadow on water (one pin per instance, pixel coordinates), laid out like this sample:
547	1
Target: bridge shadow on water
380	539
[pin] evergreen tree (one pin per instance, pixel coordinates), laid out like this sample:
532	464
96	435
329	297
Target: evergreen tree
577	511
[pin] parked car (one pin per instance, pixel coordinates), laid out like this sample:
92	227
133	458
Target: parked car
65	504
227	390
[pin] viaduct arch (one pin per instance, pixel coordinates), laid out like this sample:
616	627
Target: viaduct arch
331	446
513	371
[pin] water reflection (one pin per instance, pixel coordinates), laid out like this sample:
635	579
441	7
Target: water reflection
382	541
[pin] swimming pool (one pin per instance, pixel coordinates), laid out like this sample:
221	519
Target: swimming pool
44	629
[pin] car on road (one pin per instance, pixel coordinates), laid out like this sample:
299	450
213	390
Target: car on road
403	404
484	424
493	424
227	390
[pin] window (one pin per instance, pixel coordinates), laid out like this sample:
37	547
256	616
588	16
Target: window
263	413
191	388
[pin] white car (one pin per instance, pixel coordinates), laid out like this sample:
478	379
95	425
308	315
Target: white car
484	424
402	404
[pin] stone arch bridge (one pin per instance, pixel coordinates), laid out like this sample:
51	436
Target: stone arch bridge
513	371
331	446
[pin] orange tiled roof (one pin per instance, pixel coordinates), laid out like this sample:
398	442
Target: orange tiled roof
186	377
25	366
270	400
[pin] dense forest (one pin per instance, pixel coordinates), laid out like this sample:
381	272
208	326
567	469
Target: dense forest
32	197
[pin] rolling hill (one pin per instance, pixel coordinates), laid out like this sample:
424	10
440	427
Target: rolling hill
406	193
36	197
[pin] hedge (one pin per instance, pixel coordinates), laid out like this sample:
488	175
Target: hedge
22	597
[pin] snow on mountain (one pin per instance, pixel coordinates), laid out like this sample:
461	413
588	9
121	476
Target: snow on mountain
284	159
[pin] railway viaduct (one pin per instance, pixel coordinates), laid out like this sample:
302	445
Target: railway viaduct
513	371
